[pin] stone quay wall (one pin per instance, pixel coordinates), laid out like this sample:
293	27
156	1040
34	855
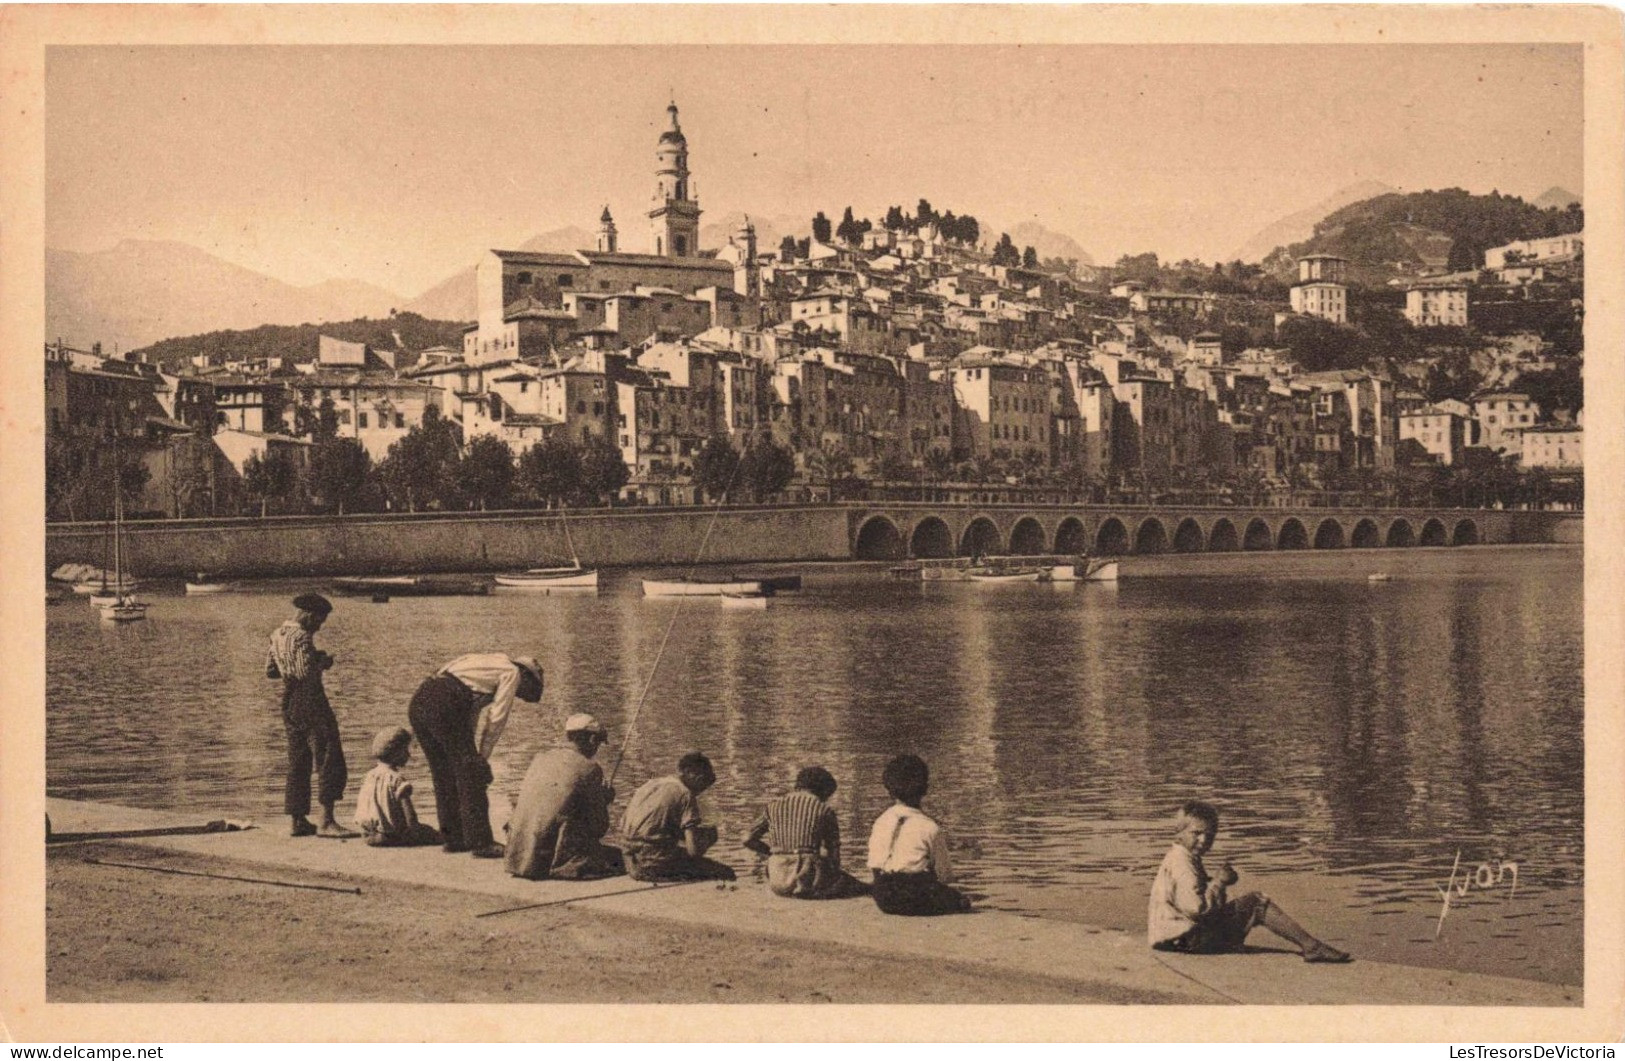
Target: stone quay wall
490	541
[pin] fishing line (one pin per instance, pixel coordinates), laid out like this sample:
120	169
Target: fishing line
631	726
223	876
1173	969
651	886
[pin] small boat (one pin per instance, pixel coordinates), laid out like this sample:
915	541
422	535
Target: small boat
123	610
1379	576
909	571
699	587
105	586
550	578
1084	570
755	601
410	586
989	576
204	584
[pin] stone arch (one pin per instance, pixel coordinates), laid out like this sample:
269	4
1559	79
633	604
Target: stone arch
1466	533
1188	536
1258	537
1366	535
981	538
931	540
878	539
1070	537
1222	539
1152	537
1329	535
1027	538
1292	535
1400	534
1433	533
1112	537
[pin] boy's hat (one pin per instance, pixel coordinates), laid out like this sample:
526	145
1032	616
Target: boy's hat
584	723
389	741
530	663
313	602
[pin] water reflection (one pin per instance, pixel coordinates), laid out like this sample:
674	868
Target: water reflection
1355	736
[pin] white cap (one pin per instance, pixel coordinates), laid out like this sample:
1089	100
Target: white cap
580	722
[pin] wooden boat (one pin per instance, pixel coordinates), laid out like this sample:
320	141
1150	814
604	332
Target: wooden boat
123	608
550	578
1084	570
989	576
106	586
203	584
410	586
699	587
754	601
1379	576
571	576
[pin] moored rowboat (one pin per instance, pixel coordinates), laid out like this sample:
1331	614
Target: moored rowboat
985	576
410	586
545	578
744	600
698	587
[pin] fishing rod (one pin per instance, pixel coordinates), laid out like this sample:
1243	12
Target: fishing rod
631	726
223	876
651	886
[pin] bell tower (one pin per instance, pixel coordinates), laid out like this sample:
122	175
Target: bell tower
675	217
606	232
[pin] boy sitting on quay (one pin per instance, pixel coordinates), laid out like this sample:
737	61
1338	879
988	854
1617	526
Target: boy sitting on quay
908	852
1191	912
664	837
804	861
383	808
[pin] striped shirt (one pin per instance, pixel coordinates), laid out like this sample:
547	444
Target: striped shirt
293	652
801	822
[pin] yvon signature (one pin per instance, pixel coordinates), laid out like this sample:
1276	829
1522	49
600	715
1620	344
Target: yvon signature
1486	877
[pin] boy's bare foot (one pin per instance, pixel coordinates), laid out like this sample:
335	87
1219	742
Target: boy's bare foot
335	831
302	827
489	851
1322	953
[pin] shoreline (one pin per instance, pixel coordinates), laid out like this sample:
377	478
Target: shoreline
162	936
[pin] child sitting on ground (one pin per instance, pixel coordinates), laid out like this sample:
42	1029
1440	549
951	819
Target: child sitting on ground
1191	912
383	808
908	852
804	861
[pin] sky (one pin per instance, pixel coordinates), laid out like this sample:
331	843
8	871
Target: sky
398	165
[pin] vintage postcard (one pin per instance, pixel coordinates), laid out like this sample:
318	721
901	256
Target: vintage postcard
1022	522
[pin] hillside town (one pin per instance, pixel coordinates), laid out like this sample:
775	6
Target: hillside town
914	358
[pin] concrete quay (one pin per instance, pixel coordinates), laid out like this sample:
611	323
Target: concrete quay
1117	964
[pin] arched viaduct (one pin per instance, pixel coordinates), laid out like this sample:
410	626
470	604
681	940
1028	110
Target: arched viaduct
893	531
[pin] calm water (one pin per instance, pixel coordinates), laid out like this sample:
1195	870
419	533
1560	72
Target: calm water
1356	736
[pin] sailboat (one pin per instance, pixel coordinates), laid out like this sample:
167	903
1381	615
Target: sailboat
545	579
123	607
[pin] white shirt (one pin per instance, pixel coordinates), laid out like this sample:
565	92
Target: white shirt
1179	895
495	677
905	840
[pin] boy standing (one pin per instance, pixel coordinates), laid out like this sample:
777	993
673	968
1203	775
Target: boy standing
664	837
1191	913
908	852
307	717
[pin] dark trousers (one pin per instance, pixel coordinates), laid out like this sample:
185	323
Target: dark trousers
652	864
916	895
442	715
313	745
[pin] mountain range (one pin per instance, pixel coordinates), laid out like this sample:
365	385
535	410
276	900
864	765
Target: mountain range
1300	224
140	291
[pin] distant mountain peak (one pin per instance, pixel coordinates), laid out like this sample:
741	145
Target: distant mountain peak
1558	197
1300	225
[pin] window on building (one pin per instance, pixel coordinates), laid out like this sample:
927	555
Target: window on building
361	420
598	408
523	278
400	420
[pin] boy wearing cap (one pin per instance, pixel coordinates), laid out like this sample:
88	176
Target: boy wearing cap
313	731
664	837
558	825
446	718
383	808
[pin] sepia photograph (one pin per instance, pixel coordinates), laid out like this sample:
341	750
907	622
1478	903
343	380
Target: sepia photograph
1073	522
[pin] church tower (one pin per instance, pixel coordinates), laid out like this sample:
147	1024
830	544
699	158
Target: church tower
676	217
606	232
